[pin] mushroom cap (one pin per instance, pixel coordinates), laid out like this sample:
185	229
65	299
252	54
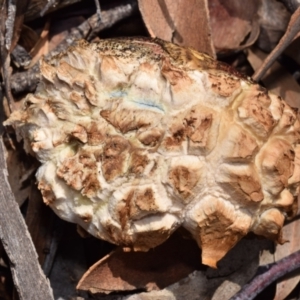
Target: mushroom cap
137	137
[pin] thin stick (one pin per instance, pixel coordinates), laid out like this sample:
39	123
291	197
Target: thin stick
292	30
46	8
10	22
27	81
6	34
275	271
98	11
27	274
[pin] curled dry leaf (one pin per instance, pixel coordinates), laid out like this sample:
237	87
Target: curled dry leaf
140	137
234	271
164	19
234	23
153	270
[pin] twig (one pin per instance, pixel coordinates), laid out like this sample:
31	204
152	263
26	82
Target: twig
7	82
292	30
9	23
20	57
6	34
47	6
98	9
28	80
36	7
275	271
28	277
25	81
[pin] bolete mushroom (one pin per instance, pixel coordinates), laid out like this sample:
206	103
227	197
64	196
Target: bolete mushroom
139	137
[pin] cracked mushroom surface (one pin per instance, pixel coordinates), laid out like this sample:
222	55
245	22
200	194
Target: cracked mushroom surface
139	137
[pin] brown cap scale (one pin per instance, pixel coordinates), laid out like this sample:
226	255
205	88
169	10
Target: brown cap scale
139	137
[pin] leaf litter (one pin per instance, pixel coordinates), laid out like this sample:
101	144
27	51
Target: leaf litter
226	28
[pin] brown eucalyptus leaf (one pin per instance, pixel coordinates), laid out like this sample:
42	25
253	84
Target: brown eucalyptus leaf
181	22
239	265
291	232
153	270
277	79
231	22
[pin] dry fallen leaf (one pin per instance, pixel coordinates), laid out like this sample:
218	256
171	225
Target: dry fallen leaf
164	19
153	270
234	23
226	283
237	268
